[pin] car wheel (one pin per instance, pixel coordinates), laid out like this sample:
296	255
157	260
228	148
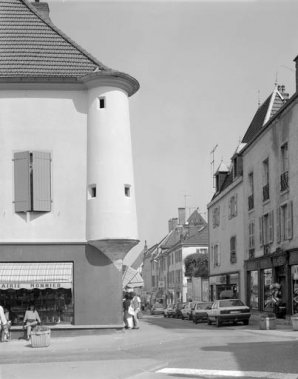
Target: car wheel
182	317
218	323
189	317
246	322
164	315
209	321
196	321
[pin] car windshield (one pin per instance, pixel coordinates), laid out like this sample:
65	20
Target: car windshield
158	306
230	303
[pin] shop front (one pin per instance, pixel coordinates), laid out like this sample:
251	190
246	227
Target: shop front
272	283
49	286
68	284
224	286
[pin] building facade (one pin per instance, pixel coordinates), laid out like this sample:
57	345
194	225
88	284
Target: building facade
270	214
68	200
226	240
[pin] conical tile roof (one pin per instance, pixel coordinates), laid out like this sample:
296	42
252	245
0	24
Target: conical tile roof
32	47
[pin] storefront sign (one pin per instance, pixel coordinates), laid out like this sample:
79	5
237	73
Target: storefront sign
30	286
279	261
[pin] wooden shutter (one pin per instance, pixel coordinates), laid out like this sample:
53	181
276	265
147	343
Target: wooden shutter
218	255
261	230
271	229
41	181
290	219
235	204
278	237
230	207
22	181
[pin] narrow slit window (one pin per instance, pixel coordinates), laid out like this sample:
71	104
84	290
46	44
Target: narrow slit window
127	190
92	191
101	102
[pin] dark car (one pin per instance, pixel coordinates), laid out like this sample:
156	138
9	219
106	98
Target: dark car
200	311
177	309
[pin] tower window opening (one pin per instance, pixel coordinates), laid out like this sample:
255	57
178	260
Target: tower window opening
92	191
101	102
127	190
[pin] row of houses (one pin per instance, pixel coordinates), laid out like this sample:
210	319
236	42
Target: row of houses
163	268
253	217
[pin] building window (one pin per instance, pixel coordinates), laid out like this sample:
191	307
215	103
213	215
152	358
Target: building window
233	206
251	191
284	178
266	231
254	290
284	222
251	239
32	181
233	258
266	180
216	255
127	190
267	293
92	191
216	217
101	102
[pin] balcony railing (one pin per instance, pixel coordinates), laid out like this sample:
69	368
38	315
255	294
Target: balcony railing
266	192
284	181
250	202
251	253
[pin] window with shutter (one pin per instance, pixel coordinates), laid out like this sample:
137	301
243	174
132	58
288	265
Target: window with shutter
278	231
32	181
271	229
261	230
290	219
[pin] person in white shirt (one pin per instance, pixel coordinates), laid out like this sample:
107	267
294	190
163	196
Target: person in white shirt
4	325
31	319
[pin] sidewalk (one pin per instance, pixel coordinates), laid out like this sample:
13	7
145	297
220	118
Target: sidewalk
121	339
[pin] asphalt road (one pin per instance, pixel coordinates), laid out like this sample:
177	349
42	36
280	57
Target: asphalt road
162	348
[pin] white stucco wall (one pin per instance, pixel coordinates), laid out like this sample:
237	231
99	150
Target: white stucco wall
53	121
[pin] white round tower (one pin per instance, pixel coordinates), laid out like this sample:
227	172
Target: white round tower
111	211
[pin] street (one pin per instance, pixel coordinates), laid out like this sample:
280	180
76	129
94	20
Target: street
162	348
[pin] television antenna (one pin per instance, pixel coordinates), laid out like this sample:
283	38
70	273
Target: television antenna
212	162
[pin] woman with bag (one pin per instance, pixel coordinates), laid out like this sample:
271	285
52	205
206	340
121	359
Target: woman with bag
127	309
3	326
31	319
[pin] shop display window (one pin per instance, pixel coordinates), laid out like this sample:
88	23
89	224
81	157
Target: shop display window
267	281
294	270
53	305
254	290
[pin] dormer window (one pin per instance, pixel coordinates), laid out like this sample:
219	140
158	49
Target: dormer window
237	166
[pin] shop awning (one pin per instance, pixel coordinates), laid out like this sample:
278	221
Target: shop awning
35	275
131	277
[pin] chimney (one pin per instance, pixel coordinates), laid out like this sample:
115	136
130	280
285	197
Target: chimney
172	224
181	216
296	61
43	9
281	89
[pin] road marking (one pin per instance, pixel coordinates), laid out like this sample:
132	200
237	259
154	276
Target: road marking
228	373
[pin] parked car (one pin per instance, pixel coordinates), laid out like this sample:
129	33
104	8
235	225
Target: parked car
200	311
192	308
157	309
177	309
185	311
228	310
168	311
171	312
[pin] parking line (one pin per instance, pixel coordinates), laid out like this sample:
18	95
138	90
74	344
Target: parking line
228	373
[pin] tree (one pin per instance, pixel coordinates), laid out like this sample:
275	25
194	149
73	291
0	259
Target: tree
196	265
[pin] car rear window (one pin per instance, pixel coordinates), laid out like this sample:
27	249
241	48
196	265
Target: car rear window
230	303
203	306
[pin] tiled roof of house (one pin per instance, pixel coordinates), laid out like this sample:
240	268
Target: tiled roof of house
31	46
270	106
200	238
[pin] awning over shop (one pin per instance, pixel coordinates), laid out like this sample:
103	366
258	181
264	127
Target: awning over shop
131	277
35	275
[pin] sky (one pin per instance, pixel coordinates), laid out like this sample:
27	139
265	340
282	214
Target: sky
203	67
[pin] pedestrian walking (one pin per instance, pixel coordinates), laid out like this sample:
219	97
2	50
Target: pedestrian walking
136	303
127	318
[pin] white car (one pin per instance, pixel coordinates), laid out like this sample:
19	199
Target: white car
186	311
228	310
168	311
